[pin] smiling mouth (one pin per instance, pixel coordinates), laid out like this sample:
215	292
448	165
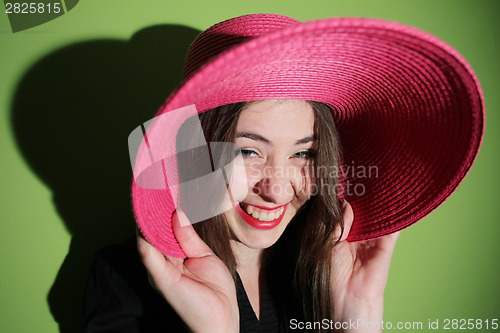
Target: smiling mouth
260	217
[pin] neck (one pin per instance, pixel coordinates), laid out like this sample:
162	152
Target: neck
248	263
246	258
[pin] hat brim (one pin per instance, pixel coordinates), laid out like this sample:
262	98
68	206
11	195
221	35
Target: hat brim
408	109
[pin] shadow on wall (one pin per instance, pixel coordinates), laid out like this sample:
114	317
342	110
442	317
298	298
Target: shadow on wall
72	114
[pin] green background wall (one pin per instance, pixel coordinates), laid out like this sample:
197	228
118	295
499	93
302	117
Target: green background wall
72	89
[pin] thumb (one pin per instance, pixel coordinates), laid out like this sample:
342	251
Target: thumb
348	219
190	242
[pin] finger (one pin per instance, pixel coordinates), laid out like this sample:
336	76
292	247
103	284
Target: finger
380	254
163	274
388	242
190	242
348	217
152	259
145	253
157	265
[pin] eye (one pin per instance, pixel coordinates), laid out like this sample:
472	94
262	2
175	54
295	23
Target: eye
307	154
247	153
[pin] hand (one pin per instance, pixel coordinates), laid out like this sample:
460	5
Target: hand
199	288
359	276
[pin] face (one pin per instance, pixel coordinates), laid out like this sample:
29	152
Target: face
277	144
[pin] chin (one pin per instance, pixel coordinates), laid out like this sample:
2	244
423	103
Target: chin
257	245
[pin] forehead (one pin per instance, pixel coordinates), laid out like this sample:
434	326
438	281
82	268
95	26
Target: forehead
295	117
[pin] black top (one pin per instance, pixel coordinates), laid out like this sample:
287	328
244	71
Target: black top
119	299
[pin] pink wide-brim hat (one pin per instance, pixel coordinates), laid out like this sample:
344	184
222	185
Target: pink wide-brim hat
405	104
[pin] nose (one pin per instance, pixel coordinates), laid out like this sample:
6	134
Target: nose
276	184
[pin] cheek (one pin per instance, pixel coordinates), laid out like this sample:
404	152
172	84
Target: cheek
238	184
254	172
303	183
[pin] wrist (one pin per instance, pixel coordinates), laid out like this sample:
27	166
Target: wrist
361	316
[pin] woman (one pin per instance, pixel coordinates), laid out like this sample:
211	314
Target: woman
292	253
280	141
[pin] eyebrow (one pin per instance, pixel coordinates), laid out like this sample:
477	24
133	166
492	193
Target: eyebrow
258	137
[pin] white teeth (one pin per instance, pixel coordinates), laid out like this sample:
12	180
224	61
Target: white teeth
262	214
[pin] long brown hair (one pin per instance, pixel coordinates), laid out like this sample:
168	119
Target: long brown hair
301	259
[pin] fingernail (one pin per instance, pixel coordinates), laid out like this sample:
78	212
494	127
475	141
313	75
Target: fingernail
183	220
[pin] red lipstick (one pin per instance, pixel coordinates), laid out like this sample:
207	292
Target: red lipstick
258	224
